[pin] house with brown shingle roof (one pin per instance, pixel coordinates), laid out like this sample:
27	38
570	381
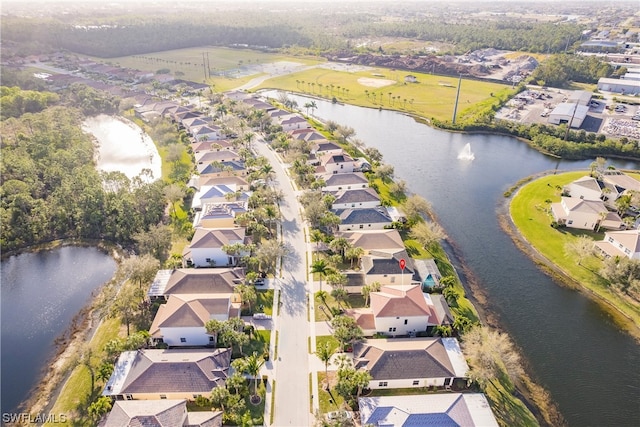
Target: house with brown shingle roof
410	362
206	247
181	321
620	243
168	374
194	281
159	413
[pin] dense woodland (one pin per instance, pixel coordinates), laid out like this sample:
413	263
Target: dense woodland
120	36
50	188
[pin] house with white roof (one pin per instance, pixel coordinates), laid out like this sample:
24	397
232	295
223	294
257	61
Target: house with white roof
620	244
219	215
181	321
214	194
168	374
584	214
410	362
427	410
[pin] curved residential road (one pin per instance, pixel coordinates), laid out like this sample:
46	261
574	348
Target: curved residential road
292	405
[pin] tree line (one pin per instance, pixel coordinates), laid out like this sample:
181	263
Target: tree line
50	188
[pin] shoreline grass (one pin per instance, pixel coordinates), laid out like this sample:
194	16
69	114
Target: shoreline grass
529	211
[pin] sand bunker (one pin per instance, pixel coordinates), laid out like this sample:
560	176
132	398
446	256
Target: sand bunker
366	81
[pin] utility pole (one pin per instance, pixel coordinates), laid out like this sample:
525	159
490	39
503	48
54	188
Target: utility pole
575	108
208	65
204	67
455	107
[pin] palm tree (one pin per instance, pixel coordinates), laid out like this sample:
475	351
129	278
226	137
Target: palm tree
366	292
324	353
322	296
316	236
354	254
321	267
340	294
252	367
340	245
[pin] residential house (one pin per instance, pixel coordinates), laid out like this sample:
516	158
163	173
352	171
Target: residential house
410	362
168	374
216	194
159	413
293	122
206	247
397	310
363	219
226	168
181	321
357	198
212	145
219	215
384	268
195	122
205	158
206	132
183	281
621	180
427	410
240	183
589	188
584	214
388	240
344	181
620	244
336	163
323	147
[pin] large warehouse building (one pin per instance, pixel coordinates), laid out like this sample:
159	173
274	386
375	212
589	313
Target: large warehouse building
623	86
568	112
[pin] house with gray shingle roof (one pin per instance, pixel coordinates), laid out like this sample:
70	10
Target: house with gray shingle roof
384	268
357	198
363	219
344	181
181	321
205	158
168	374
194	281
427	410
159	413
410	362
224	168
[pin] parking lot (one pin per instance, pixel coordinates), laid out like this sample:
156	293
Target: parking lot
535	104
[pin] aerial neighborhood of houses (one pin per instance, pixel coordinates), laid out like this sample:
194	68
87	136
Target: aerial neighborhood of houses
188	362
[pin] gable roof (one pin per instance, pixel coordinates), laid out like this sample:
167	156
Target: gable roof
235	165
584	206
224	180
216	156
621	180
190	310
363	216
196	281
379	240
407	301
169	371
588	182
410	358
216	238
335	158
159	413
428	410
210	145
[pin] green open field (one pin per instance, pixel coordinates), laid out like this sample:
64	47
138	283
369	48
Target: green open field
229	68
430	97
531	214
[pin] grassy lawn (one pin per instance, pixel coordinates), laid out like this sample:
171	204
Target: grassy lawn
354	301
322	340
329	400
530	213
257	411
260	342
432	96
508	409
265	300
76	390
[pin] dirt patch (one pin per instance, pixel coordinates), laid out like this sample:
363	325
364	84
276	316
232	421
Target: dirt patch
367	81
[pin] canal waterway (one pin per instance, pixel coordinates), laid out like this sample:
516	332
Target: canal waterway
43	291
574	349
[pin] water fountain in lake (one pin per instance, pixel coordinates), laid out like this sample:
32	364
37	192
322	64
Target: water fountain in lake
466	153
